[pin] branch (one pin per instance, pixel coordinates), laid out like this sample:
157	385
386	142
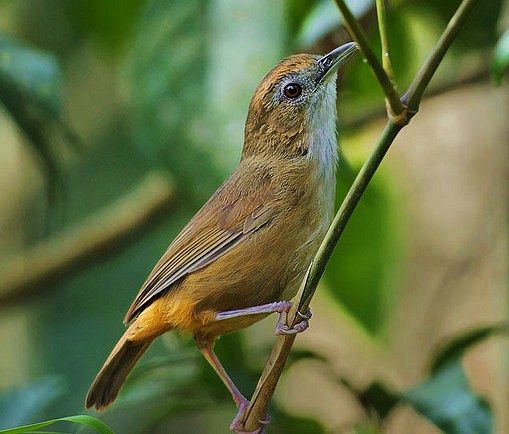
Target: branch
384	39
86	243
266	386
354	28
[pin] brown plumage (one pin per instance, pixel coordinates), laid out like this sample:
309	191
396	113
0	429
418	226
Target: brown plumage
251	243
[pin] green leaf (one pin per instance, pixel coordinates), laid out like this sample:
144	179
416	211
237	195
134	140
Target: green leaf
298	354
480	30
109	22
288	423
29	402
447	400
456	346
190	84
362	272
378	398
325	17
500	59
365	429
82	419
30	89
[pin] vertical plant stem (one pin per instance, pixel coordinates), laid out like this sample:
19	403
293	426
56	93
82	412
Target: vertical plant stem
277	360
353	26
381	13
346	209
266	386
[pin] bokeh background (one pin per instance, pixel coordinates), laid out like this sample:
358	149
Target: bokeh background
119	118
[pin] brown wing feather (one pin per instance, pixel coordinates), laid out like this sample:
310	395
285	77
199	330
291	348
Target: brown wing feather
231	215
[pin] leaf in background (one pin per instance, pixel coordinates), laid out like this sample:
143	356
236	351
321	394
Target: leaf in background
111	22
447	400
190	83
377	397
456	346
237	65
283	422
27	403
365	429
325	17
166	82
363	271
30	89
82	419
480	30
500	59
298	354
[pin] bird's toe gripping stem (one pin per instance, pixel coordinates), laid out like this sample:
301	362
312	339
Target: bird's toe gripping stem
283	329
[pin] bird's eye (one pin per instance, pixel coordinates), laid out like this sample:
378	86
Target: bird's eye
292	90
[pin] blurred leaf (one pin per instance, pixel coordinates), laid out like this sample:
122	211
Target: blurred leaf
283	422
27	403
365	429
34	73
480	28
296	11
362	270
166	80
297	354
447	400
190	84
377	397
88	421
111	22
455	347
500	60
325	17
30	89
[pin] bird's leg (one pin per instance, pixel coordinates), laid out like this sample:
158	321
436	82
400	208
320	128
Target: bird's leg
205	345
282	307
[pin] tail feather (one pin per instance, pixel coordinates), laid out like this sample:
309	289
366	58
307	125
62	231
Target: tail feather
114	372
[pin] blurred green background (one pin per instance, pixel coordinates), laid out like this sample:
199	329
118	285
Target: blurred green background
119	118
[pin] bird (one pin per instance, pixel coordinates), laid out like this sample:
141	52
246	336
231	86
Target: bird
244	253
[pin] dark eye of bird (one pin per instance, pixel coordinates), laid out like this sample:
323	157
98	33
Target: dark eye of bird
292	90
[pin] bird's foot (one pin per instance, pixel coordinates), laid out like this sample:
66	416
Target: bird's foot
236	425
283	329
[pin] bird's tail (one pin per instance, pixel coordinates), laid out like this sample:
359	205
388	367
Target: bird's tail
115	370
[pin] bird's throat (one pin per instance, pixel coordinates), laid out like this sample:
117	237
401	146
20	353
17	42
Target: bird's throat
323	148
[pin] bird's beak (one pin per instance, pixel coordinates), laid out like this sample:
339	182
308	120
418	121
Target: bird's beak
331	62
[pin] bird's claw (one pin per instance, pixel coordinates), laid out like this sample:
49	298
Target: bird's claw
283	329
236	425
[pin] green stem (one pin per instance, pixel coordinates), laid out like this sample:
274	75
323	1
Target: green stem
266	386
381	13
413	95
357	33
345	211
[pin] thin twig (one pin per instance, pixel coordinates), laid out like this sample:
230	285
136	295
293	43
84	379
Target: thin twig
274	367
384	38
32	271
354	28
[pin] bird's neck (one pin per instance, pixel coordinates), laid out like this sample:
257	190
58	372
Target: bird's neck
323	149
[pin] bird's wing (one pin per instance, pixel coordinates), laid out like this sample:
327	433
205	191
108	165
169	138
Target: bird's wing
225	220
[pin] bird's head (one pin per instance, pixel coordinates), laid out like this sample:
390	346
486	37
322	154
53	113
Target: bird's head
293	101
